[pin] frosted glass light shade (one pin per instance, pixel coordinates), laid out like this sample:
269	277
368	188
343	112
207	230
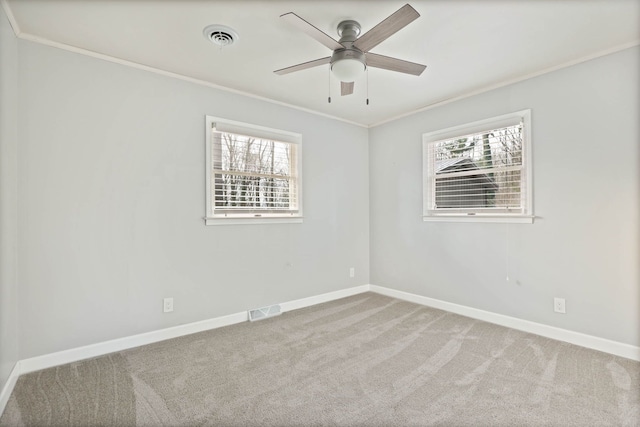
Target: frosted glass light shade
348	69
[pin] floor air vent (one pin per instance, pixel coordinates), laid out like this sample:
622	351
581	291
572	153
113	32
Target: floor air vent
264	312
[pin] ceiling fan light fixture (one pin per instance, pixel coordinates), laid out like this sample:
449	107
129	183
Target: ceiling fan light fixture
348	64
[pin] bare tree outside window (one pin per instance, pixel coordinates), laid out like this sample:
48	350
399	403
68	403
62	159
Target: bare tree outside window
253	174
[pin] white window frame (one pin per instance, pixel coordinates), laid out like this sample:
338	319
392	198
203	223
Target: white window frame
261	132
429	214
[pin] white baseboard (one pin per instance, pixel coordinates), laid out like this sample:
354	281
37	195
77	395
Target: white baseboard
589	341
93	350
8	386
319	299
72	355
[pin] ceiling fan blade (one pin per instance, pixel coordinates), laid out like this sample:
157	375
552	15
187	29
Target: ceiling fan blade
397	21
346	88
303	66
311	31
394	64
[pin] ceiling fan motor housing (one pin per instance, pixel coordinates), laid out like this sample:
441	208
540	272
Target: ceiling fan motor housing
351	53
348	62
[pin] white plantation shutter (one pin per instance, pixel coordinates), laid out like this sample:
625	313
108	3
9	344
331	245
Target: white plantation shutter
253	172
479	169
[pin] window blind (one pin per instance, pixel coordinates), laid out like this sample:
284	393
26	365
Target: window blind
478	172
253	175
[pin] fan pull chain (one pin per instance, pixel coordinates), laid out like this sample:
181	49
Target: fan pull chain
329	85
367	85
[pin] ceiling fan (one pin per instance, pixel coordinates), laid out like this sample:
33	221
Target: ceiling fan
351	55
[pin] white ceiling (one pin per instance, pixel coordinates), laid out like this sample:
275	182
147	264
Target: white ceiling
468	46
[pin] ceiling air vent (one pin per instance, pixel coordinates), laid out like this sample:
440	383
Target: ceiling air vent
220	35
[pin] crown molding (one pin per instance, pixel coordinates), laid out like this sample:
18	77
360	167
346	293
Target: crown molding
508	82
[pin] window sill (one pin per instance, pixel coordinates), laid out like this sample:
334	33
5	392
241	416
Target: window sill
252	220
520	219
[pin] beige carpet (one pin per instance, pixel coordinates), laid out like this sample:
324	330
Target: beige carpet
366	360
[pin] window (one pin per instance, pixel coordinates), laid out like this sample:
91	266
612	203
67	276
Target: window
253	174
480	171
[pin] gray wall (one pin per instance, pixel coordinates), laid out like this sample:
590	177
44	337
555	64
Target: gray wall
584	244
110	177
8	199
112	196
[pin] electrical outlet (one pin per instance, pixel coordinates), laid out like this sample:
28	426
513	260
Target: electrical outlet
352	272
168	305
558	305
